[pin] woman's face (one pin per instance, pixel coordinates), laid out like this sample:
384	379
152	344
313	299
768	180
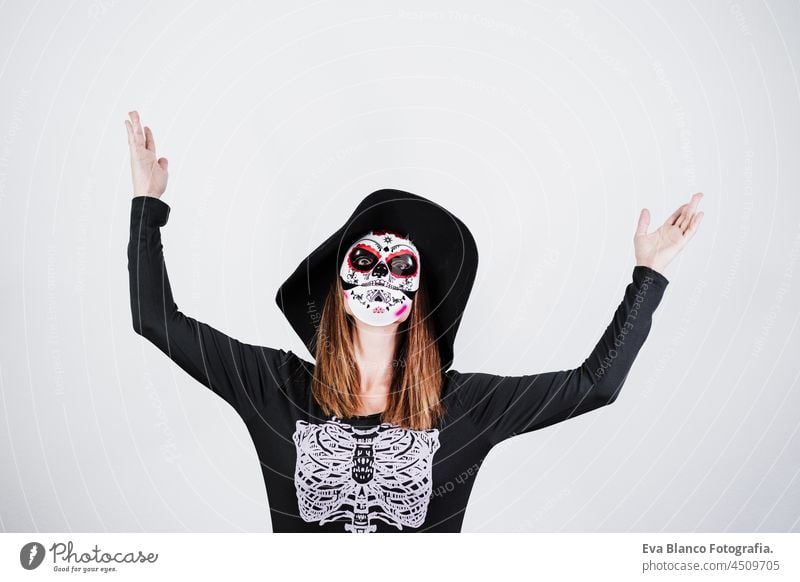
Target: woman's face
380	275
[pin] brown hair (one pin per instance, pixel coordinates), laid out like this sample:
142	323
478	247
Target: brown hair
414	395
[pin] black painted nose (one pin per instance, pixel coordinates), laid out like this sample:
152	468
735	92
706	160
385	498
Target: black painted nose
380	270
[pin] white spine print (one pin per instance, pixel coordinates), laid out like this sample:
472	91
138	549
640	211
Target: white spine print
363	474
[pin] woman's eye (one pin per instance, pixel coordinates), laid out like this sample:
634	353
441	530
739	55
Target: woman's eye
362	260
403	265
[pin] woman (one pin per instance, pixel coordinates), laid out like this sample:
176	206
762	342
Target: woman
379	435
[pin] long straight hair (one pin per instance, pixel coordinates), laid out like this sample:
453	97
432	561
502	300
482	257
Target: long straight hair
415	393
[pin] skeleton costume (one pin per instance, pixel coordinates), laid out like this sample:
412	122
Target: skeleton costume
360	474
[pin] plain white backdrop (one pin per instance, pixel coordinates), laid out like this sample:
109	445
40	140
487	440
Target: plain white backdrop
545	126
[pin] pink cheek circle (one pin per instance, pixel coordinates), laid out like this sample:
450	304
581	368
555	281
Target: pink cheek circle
401	311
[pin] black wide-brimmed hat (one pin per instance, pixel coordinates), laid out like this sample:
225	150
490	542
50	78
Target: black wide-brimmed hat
448	260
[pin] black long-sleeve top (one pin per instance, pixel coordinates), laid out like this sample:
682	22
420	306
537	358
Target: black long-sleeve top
358	474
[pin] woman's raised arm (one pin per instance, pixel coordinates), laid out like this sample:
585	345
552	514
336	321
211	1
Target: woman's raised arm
244	375
503	406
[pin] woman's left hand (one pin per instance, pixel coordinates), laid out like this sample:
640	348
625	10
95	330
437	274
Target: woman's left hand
657	249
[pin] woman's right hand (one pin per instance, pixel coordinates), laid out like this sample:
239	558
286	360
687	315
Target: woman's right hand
148	172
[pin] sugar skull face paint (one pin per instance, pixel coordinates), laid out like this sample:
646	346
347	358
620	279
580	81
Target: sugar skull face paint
380	274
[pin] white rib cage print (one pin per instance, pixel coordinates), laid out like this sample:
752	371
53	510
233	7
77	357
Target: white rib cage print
363	474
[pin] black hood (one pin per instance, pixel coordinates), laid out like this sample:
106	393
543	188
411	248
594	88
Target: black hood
448	255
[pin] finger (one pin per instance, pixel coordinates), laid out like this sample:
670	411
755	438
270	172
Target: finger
644	222
149	140
138	132
164	163
129	129
674	216
693	226
685	220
